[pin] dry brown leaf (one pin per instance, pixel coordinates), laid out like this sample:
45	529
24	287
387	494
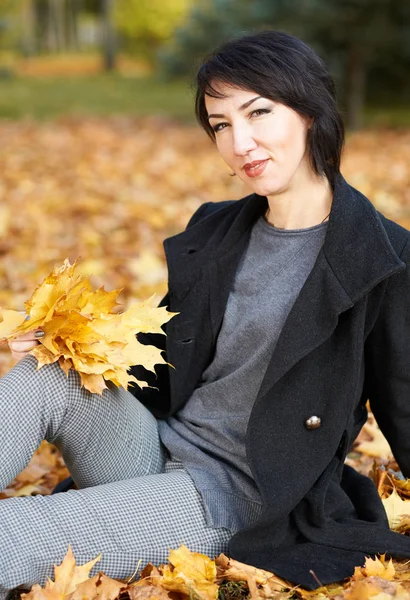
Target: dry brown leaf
44	471
402	486
99	587
261	584
148	592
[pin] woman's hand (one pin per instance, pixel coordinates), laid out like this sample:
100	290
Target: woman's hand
23	344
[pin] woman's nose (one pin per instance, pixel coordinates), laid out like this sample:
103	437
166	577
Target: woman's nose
243	141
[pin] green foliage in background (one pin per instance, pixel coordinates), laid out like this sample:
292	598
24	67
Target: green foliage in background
146	24
9	33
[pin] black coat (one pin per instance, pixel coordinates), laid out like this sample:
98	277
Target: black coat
346	340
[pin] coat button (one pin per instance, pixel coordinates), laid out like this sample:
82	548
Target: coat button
313	422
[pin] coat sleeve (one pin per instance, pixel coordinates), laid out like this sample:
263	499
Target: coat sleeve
387	365
156	397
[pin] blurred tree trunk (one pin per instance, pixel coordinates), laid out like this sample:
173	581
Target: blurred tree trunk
108	35
72	13
60	23
52	35
28	20
355	86
56	26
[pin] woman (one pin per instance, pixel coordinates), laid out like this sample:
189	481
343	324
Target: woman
293	312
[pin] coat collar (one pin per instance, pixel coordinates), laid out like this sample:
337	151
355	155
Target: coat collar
356	247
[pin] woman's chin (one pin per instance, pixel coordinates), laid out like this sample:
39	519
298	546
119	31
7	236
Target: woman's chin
263	188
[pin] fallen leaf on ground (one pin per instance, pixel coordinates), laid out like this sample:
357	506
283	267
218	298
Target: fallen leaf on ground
377	446
376	567
99	587
366	589
190	573
395	508
148	592
67	576
262	584
404	525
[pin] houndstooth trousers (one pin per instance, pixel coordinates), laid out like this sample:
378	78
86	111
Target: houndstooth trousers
133	501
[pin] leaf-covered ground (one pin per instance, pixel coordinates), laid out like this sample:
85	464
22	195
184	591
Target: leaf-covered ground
109	190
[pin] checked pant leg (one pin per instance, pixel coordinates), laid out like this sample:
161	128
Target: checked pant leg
126	521
102	439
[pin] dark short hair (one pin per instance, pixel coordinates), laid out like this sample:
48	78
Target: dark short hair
284	69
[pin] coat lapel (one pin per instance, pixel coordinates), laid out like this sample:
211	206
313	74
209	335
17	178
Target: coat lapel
356	255
319	309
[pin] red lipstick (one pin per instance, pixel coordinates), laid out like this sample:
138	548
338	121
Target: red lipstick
255	168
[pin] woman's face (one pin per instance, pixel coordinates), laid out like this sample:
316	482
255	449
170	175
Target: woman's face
262	141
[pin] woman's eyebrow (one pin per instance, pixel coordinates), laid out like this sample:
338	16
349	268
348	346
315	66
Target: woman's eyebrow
242	107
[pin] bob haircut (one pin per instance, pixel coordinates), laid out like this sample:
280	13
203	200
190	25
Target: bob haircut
284	69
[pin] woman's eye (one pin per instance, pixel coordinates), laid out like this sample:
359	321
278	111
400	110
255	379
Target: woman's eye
219	126
260	111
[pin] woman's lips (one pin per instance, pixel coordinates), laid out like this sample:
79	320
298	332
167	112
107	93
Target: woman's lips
255	168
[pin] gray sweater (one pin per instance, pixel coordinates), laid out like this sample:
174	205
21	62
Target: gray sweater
208	434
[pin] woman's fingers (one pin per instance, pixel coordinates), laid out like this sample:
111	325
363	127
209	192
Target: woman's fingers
29	336
19	355
23	344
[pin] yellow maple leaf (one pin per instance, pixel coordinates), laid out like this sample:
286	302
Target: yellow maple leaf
11	320
67	576
83	333
395	508
190	573
375	567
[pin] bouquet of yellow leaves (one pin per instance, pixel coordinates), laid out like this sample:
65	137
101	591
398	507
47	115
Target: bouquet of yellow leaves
82	332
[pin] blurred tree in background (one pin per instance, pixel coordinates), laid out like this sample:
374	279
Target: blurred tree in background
49	26
370	41
145	25
365	42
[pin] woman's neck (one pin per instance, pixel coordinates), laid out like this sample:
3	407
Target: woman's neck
302	206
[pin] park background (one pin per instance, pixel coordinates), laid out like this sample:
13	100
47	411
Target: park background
101	158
